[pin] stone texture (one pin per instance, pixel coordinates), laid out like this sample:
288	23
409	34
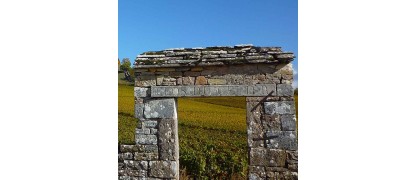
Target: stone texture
145	156
217	81
283	107
284	90
255	133
146	139
201	80
141	92
146	81
282	140
167	139
188	80
258	156
288	122
160	108
163	169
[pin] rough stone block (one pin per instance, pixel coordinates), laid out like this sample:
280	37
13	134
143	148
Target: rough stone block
136	165
217	81
201	80
282	140
163	169
255	132
288	122
145	156
127	156
142	131
199	91
258	157
281	107
171	91
262	90
138	110
148	124
186	91
237	90
284	90
128	148
254	176
160	108
271	122
276	157
146	139
167	139
150	148
146	81
141	92
188	80
259	170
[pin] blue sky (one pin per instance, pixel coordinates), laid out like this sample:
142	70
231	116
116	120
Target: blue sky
156	25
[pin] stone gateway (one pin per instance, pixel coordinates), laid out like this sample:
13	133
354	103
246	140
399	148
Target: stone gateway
263	75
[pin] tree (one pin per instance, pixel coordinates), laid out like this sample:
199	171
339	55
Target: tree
125	64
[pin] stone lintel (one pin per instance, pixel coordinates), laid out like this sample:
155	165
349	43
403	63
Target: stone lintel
213	90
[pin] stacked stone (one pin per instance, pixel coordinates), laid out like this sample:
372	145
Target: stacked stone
271	134
155	154
218	55
262	74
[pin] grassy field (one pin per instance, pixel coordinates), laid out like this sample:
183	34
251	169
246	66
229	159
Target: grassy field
212	134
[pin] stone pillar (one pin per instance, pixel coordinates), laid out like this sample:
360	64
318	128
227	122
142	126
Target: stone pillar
271	135
155	154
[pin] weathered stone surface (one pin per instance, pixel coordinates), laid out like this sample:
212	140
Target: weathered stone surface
284	90
213	90
282	140
128	148
282	107
271	122
254	176
201	80
288	122
217	81
167	139
138	110
145	156
141	92
163	169
160	108
146	139
148	124
276	157
146	81
254	125
136	165
142	131
259	170
188	80
258	157
127	156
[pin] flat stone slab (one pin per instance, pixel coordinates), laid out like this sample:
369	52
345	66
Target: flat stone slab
282	140
213	90
163	169
160	108
280	107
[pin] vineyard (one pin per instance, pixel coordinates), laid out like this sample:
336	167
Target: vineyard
212	134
